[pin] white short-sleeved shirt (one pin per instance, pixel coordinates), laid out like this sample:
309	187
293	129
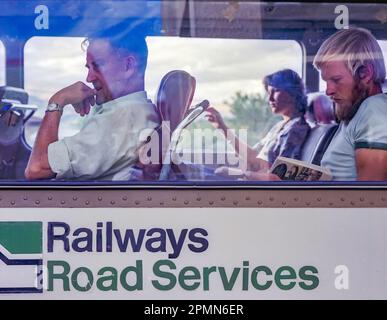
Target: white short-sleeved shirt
367	129
108	142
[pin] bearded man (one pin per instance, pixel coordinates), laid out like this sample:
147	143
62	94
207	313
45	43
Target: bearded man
351	62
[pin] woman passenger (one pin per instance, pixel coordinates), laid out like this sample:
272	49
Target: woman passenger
287	98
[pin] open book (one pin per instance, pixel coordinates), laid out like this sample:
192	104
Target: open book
291	169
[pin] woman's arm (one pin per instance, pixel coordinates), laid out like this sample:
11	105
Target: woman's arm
241	148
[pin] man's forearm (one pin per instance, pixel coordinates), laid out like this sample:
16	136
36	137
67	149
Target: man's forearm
38	166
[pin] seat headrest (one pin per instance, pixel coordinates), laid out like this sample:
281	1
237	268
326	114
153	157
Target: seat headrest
174	96
321	107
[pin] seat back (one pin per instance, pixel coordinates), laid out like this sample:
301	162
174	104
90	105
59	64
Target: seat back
174	96
320	108
14	150
317	142
173	99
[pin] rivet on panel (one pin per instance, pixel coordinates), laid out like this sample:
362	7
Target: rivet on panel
283	203
235	203
211	203
296	199
186	202
112	202
174	199
49	198
259	202
308	203
319	199
223	198
149	199
87	202
342	199
137	202
361	199
25	198
99	198
383	199
353	203
13	203
247	198
371	203
330	203
271	199
161	203
63	202
199	199
75	198
125	198
37	202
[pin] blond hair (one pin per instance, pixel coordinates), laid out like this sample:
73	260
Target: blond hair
356	47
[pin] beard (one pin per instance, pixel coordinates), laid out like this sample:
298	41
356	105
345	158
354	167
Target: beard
346	112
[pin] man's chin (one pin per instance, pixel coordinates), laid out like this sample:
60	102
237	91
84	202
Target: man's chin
346	112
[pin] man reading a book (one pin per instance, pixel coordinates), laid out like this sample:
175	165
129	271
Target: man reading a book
351	63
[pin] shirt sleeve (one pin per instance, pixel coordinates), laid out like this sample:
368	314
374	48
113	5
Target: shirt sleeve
59	159
262	147
370	128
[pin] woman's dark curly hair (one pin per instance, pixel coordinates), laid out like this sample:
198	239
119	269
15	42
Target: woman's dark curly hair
289	81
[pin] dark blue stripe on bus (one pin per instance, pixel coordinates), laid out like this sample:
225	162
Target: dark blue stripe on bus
20	262
20	290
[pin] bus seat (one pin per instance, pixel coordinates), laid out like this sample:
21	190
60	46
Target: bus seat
320	109
14	150
173	98
317	142
384	87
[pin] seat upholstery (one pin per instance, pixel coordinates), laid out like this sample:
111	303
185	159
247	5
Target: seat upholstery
14	150
320	108
317	142
173	98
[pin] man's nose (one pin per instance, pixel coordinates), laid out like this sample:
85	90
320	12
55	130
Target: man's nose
330	91
90	76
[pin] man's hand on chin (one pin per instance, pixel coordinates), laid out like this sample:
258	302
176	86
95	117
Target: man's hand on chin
79	95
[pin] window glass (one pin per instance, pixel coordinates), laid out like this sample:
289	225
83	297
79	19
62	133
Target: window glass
52	63
227	72
221	66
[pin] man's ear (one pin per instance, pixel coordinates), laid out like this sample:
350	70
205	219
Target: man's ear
130	65
365	73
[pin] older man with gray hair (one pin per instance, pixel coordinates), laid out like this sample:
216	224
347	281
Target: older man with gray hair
351	62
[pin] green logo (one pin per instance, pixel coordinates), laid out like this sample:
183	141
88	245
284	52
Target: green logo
21	257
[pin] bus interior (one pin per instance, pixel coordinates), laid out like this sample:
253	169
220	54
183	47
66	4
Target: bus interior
201	54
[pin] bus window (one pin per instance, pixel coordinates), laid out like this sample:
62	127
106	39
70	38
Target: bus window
51	63
224	79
